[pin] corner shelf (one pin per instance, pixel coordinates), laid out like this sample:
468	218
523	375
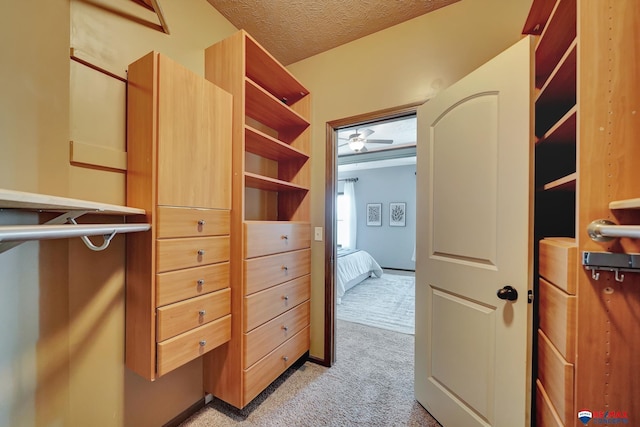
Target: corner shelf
58	228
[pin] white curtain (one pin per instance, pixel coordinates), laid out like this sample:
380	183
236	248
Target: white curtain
351	216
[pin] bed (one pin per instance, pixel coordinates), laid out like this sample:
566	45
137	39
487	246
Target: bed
354	266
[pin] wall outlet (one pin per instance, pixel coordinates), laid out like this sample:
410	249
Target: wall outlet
318	234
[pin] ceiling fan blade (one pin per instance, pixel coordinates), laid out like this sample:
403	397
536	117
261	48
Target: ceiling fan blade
343	144
366	132
380	141
363	150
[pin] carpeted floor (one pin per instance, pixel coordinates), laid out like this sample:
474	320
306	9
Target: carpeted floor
371	384
386	302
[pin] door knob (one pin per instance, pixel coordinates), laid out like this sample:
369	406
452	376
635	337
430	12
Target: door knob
508	293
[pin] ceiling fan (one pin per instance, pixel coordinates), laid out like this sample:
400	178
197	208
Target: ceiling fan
357	141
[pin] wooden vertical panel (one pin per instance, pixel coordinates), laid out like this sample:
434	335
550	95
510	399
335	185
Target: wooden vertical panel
225	66
608	321
190	138
140	281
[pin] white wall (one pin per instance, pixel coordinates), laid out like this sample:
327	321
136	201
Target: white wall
391	246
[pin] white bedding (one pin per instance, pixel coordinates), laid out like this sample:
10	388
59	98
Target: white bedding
353	267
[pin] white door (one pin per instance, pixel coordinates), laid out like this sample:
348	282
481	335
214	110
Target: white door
474	237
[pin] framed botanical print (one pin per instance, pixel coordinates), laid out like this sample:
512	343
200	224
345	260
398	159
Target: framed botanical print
397	214
374	214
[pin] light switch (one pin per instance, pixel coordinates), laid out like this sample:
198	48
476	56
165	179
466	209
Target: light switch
318	234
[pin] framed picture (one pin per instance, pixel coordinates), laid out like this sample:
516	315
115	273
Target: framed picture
374	214
397	214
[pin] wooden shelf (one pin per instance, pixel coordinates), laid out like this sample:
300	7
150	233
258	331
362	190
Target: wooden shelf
42	202
566	183
561	83
556	37
538	16
564	131
263	145
269	74
625	204
260	182
268	110
558	95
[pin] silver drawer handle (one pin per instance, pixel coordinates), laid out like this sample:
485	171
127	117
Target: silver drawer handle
201	222
200	282
285	358
285	268
285	328
284	237
203	343
202	312
285	297
201	252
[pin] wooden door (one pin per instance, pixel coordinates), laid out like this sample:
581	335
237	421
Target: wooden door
474	198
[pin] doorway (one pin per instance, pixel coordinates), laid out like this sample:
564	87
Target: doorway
346	134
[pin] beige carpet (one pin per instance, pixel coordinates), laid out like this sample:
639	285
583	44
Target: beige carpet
371	384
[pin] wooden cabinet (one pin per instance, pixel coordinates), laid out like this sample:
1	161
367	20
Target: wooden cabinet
270	221
178	299
587	131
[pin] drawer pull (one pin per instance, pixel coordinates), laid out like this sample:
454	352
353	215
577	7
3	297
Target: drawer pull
201	222
285	268
285	328
202	312
203	343
284	237
285	358
200	282
201	252
285	297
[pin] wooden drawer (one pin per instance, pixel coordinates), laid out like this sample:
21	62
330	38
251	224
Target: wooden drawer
265	305
272	237
188	314
179	350
264	272
265	338
558	318
191	222
174	254
558	262
261	374
546	415
179	285
556	375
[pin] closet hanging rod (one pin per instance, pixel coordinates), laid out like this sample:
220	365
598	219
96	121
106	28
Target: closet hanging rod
22	233
603	230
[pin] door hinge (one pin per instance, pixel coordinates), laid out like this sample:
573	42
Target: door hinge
530	296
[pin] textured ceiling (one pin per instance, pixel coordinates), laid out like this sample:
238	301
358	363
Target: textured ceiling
292	30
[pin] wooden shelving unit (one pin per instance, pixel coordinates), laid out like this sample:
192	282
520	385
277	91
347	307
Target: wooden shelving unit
270	221
587	63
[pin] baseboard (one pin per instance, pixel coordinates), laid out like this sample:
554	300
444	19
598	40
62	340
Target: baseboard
318	361
184	415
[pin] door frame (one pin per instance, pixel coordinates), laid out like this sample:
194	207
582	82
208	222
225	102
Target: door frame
330	255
